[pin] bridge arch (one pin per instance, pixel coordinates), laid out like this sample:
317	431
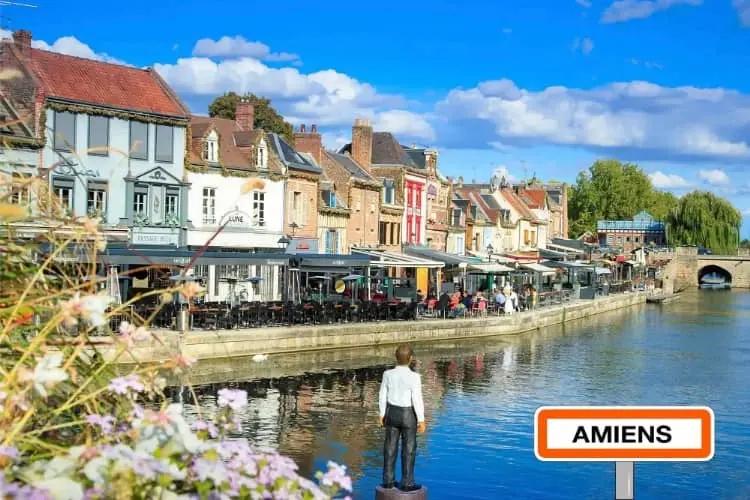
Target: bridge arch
714	270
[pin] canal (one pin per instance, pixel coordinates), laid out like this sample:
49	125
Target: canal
481	397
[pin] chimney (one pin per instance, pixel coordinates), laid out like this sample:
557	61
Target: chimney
244	115
362	142
22	40
309	142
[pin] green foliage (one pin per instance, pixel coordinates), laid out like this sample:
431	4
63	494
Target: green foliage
613	190
745	243
704	219
266	117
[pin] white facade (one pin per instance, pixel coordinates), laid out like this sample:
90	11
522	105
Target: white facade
103	178
254	221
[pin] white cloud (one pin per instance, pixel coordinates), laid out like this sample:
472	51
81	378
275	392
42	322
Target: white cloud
743	10
715	177
626	10
585	45
68	45
238	46
635	118
668	181
584	3
645	64
746	212
405	123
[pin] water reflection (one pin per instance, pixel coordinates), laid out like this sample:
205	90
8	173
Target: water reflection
480	398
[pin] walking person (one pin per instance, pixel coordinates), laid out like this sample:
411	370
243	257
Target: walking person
509	308
402	414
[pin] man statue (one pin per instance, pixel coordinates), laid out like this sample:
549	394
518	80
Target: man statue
402	415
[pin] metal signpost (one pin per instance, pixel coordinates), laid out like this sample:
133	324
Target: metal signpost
624	435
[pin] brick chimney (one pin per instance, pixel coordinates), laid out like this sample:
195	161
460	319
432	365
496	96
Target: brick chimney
309	142
362	142
22	40
244	115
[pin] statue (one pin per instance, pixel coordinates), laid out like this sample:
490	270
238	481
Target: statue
402	416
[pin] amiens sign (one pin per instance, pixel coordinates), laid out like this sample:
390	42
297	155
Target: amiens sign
628	433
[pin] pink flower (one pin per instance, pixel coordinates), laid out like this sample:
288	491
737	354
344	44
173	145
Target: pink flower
105	423
90	308
129	333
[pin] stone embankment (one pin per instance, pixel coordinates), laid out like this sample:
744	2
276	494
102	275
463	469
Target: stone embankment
203	345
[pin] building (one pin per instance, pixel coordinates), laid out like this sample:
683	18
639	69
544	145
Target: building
114	141
404	202
456	237
437	194
557	198
236	203
302	196
353	187
627	235
535	198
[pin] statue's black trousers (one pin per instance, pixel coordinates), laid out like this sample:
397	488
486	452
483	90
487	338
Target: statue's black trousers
400	423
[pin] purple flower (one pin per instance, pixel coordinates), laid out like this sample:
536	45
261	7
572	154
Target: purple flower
105	423
233	398
336	477
209	427
121	385
9	452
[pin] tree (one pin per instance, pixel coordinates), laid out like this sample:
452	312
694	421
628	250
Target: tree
613	190
704	219
745	243
266	117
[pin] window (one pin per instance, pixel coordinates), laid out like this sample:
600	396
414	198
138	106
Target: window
637	239
139	140
65	131
331	241
140	200
96	199
164	143
389	192
525	236
209	205
62	188
329	197
297	209
261	157
98	135
211	148
627	239
259	208
398	234
456	217
382	232
172	203
20	192
460	245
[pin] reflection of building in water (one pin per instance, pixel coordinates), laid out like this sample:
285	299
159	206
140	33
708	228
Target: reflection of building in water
509	357
264	412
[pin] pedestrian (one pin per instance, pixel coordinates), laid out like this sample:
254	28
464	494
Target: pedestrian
402	414
509	309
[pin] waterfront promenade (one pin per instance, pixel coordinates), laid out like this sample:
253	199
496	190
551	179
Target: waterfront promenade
203	345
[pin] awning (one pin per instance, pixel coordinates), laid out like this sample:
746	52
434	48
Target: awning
331	262
565	249
182	257
495	257
396	260
447	258
538	268
490	267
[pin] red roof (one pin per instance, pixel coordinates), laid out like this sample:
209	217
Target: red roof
104	84
534	197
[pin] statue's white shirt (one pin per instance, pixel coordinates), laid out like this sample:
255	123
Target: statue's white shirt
402	387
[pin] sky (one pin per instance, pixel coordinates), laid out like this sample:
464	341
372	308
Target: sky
520	88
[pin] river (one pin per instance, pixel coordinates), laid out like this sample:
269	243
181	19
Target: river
481	397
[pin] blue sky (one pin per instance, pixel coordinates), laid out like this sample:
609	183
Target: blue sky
521	87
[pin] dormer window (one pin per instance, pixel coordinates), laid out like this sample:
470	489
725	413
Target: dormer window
261	155
211	147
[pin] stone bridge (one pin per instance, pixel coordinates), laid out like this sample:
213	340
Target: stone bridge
685	270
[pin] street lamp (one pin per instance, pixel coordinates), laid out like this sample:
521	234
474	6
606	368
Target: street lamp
283	242
294	226
490	249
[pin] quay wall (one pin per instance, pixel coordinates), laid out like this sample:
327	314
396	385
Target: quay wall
202	345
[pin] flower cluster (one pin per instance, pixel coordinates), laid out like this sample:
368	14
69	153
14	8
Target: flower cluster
156	454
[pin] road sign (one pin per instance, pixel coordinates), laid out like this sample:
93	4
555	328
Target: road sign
624	433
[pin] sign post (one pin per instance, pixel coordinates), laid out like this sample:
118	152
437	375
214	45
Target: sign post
624	435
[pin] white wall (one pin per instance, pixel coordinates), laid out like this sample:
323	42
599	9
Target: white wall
228	199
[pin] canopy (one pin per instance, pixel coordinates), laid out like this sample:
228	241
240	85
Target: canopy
490	267
538	268
182	257
436	255
382	258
